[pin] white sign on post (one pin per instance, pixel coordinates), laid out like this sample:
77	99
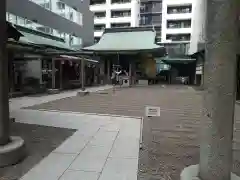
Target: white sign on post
152	111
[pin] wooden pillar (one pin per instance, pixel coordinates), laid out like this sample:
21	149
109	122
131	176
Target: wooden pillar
130	73
108	70
61	75
53	74
82	75
220	88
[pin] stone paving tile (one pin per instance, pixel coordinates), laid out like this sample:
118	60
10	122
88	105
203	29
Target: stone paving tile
119	169
52	167
79	175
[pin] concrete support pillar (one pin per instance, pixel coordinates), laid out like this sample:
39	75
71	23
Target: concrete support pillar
11	148
82	75
219	84
53	74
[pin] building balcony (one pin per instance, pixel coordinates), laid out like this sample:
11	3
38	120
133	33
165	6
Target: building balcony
150	23
121	5
176	49
179	31
121	20
99	20
178	16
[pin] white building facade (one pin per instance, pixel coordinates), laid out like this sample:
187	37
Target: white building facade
177	18
114	13
55	17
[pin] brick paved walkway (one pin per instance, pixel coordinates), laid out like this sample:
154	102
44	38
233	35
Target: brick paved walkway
171	141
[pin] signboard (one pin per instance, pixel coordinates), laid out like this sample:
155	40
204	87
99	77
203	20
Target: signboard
152	111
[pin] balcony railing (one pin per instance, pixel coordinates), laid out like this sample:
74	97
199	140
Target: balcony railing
177	50
120	1
117	14
179	10
97	2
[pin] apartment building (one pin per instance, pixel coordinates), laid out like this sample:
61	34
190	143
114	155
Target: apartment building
114	14
177	21
70	20
151	16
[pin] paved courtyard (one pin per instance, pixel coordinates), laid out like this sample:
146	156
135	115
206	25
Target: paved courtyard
170	142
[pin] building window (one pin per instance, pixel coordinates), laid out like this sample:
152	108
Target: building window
120	25
96	2
70	40
179	24
99	27
151	19
99	15
96	39
178	37
60	5
45	5
44	29
71	16
116	14
179	9
120	1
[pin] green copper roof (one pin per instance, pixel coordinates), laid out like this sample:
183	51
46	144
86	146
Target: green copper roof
126	41
39	40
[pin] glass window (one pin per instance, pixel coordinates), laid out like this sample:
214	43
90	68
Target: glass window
12	18
60	5
20	21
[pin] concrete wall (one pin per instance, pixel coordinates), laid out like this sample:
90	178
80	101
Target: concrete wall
32	11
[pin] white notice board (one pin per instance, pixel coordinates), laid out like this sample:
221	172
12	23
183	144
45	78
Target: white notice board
151	111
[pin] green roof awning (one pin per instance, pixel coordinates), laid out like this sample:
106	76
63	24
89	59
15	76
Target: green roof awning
175	60
130	41
29	38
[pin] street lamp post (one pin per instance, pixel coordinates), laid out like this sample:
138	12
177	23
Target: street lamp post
11	148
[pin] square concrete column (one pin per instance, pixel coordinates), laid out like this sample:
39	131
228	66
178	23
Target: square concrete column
11	148
219	82
219	95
